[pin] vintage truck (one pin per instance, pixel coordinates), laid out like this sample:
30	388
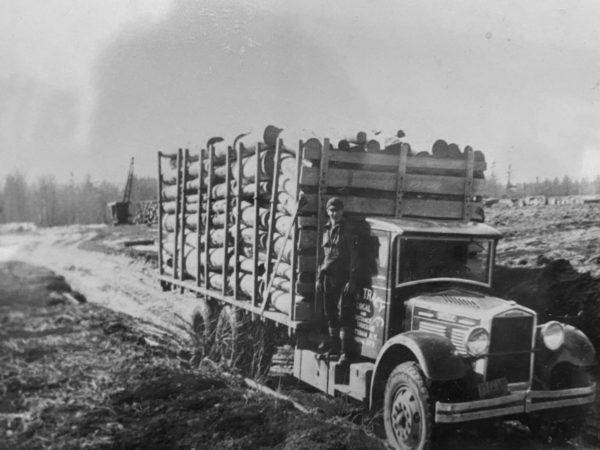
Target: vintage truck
240	227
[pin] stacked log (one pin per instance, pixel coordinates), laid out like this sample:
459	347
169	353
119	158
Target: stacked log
180	198
275	220
372	178
185	193
291	239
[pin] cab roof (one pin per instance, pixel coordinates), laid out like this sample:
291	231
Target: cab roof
432	226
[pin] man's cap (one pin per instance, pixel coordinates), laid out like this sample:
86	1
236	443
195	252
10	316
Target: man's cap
335	203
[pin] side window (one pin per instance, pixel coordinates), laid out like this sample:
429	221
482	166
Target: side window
374	258
415	260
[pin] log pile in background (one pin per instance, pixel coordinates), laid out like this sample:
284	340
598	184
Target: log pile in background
145	212
373	177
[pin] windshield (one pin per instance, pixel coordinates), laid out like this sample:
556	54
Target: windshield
427	258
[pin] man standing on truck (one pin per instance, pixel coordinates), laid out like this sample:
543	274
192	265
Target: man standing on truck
335	281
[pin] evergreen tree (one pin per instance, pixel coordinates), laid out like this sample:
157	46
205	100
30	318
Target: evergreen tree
17	207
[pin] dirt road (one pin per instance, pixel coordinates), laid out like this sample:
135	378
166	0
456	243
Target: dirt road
110	279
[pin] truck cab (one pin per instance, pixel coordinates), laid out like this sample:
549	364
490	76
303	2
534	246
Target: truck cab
434	346
404	259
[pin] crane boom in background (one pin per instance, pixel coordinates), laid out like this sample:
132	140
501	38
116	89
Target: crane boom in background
120	211
129	183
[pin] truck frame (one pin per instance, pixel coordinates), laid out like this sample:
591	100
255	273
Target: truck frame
432	344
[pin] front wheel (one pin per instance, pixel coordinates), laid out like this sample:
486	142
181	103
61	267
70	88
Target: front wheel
406	410
561	424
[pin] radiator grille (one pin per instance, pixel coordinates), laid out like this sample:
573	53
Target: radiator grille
456	335
458	339
511	337
432	328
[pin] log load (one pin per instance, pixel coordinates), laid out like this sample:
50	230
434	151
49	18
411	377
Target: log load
229	219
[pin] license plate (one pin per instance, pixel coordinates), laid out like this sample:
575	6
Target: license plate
493	388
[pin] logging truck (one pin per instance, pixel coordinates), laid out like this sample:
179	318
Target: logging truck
240	226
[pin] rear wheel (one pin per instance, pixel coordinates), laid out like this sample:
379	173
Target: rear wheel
407	412
204	319
242	343
226	336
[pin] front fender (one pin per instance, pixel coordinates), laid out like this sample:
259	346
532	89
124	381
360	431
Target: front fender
576	350
435	354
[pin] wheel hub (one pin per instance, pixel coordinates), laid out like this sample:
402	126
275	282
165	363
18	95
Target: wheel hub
406	417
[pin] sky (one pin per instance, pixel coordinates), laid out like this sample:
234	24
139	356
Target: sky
87	84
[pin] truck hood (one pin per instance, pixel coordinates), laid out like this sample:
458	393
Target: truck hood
452	313
463	303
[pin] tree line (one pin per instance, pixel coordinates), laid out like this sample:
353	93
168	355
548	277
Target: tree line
47	202
549	187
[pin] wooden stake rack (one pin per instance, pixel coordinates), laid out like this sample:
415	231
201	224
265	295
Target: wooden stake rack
389	185
172	253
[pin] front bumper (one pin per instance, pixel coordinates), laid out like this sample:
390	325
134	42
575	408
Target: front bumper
513	403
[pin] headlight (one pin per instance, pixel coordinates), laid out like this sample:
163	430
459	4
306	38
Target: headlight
478	342
553	334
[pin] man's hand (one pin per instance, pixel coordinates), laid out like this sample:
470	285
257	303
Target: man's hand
350	288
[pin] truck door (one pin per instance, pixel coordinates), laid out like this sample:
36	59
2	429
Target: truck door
372	296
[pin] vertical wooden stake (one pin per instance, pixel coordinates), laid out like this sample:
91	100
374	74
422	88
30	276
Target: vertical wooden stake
256	225
272	216
468	204
227	213
238	219
199	227
177	213
208	212
400	178
294	279
161	269
183	213
321	217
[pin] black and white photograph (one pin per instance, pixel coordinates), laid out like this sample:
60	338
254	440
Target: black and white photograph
302	224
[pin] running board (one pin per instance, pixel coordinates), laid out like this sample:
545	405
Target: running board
353	380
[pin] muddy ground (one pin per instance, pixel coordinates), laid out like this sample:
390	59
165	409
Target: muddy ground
121	369
78	375
535	235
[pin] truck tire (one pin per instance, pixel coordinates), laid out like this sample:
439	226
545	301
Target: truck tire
562	424
244	344
406	408
203	325
227	336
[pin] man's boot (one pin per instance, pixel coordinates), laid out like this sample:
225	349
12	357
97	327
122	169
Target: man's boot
334	335
331	344
346	344
325	345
